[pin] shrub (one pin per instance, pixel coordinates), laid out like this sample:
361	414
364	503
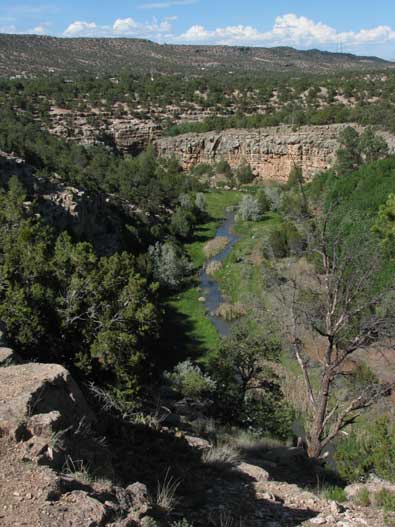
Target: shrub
244	174
285	240
249	209
220	456
213	267
386	499
371	449
189	380
335	494
170	266
223	167
362	498
215	246
230	312
264	202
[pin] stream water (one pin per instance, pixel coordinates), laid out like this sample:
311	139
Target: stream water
209	286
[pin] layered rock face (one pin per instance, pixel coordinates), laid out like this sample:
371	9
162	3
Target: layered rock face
125	133
271	152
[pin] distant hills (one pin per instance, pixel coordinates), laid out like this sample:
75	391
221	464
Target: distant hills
33	55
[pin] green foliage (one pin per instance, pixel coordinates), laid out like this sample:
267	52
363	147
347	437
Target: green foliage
244	362
285	240
60	302
385	225
362	498
371	449
244	173
189	380
356	149
349	155
249	209
264	202
335	494
372	146
170	266
386	499
295	178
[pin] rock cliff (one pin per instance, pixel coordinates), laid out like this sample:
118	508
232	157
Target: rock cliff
271	152
98	218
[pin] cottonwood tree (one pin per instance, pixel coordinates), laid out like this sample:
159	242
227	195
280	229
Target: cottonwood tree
342	302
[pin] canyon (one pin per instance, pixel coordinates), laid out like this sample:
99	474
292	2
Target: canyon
270	151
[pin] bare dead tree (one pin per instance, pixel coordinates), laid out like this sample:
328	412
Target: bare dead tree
347	309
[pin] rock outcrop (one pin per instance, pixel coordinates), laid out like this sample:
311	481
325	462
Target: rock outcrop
271	152
125	133
96	217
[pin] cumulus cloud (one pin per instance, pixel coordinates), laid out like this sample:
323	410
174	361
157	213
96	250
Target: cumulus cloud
122	27
288	30
82	29
166	5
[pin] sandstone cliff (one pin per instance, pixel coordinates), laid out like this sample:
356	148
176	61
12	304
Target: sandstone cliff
271	152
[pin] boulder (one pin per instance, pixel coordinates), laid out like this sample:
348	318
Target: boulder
254	472
8	356
32	389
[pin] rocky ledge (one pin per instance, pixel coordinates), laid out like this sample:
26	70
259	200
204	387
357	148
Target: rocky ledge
271	151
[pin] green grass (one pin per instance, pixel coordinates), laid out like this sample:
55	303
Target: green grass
217	203
202	337
198	336
241	275
335	494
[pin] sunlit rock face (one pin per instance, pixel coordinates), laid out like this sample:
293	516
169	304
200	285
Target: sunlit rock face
271	152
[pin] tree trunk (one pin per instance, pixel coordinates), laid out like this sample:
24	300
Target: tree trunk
315	436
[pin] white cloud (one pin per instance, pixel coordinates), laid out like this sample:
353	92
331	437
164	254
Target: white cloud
122	27
166	5
81	29
40	29
288	30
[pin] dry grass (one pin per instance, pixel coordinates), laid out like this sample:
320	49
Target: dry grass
166	493
213	267
230	312
220	456
215	246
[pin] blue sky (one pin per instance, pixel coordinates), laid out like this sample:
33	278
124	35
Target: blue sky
363	26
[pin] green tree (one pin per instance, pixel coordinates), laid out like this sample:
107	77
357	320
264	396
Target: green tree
372	146
385	225
348	157
244	173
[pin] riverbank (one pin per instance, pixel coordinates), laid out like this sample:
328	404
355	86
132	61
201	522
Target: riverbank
195	334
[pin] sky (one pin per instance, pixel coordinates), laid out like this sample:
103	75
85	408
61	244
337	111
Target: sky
354	26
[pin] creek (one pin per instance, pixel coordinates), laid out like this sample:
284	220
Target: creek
210	287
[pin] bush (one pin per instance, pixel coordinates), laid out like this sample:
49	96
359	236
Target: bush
215	246
189	381
285	240
362	498
170	266
335	494
244	174
369	450
249	209
230	312
220	456
264	202
213	267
